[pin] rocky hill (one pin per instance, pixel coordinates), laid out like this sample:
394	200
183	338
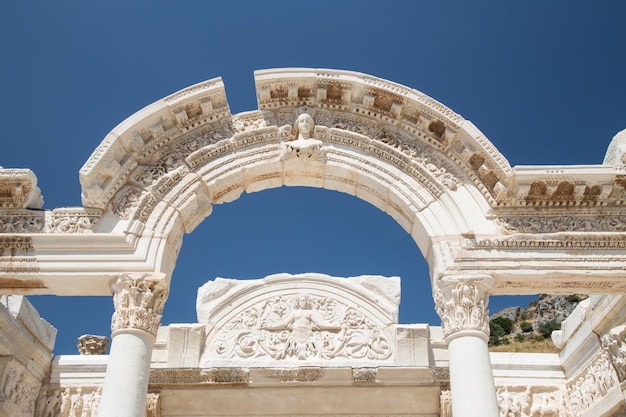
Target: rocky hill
529	329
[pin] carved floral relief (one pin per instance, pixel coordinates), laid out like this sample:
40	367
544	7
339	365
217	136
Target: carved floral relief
301	327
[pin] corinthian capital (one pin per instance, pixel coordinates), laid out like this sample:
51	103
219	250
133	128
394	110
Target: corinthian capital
139	300
461	302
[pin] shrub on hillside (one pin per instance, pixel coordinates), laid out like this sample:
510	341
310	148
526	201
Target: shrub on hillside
547	327
504	323
526	326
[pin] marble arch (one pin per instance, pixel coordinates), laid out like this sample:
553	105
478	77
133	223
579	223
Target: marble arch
484	227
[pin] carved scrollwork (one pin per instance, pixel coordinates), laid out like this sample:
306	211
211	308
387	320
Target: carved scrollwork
139	300
300	328
565	223
125	201
462	305
74	220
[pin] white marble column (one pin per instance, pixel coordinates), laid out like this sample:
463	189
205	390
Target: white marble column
139	301
461	302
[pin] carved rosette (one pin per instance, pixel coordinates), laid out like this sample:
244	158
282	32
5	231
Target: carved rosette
139	300
461	302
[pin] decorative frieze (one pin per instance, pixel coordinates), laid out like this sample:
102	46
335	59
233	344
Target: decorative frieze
18	385
552	242
68	402
590	385
614	343
60	220
563	223
526	401
198	377
462	304
139	300
295	374
365	376
12	246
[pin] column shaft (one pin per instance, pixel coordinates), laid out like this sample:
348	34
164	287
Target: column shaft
471	377
126	381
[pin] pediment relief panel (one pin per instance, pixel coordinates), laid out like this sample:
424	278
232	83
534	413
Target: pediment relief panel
299	320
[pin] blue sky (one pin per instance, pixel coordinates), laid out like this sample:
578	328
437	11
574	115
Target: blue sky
544	81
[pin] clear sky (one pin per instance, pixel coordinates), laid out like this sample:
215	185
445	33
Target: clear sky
544	81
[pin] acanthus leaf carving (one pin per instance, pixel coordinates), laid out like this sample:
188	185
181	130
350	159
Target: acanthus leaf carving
139	300
462	305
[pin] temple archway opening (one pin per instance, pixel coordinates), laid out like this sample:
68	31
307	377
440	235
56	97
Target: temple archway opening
332	233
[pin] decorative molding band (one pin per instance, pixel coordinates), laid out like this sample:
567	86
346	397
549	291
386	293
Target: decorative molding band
552	242
303	374
563	223
60	220
365	376
199	377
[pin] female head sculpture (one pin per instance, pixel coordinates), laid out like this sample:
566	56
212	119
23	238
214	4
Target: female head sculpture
303	127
